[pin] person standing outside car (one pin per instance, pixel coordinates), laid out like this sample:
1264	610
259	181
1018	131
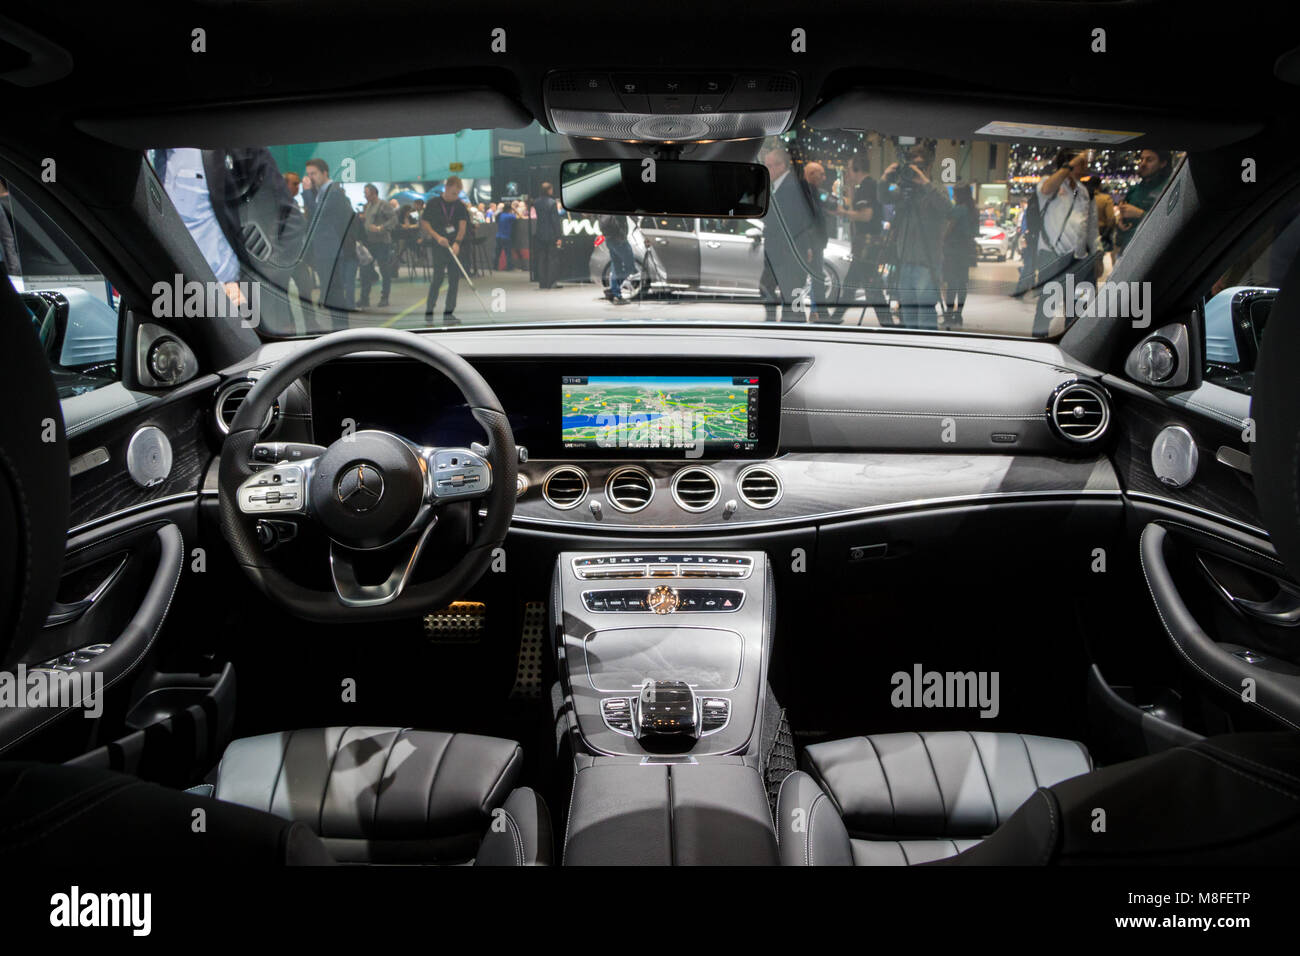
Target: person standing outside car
787	242
959	254
379	219
444	224
1153	170
333	241
549	237
916	236
622	260
858	204
1062	233
505	220
814	179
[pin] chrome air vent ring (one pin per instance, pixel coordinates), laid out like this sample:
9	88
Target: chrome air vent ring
630	488
564	487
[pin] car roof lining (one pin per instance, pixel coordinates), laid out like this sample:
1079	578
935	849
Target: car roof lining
949	115
312	120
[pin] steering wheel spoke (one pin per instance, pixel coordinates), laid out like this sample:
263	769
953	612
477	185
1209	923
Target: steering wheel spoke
404	553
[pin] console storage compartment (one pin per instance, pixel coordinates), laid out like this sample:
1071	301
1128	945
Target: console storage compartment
666	813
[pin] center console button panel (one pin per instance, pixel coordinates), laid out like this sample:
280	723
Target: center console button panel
642	599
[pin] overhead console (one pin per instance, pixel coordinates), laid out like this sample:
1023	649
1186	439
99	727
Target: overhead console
670	107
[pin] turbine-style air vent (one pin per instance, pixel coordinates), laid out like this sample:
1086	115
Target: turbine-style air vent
565	487
231	396
1079	412
696	489
759	487
629	489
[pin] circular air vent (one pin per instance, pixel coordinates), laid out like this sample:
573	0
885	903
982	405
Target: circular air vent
230	396
1079	412
696	489
629	489
759	486
564	487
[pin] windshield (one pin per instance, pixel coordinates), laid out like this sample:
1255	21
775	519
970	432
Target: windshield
863	230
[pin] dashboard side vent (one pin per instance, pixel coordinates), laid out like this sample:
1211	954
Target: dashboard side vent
1079	412
696	489
230	396
565	487
759	487
629	489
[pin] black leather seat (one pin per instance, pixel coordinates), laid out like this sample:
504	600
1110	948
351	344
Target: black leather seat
901	799
393	795
1223	801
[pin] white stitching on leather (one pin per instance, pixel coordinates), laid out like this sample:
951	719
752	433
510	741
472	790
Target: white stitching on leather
1210	534
568	817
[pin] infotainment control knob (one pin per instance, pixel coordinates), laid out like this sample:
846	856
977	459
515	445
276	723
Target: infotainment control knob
662	600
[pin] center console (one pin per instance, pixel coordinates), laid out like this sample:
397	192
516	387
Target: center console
663	660
664	652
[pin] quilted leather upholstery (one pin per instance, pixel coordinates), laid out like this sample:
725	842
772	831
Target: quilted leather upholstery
912	798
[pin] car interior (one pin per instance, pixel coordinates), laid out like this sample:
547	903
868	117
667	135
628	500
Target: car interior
703	523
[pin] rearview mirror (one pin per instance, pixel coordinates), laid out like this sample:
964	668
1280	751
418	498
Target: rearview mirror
665	187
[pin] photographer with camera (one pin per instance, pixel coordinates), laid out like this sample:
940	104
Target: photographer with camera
914	250
1061	231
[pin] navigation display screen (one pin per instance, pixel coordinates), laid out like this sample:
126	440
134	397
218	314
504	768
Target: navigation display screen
691	415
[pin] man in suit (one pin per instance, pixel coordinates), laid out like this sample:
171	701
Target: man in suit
333	240
549	237
788	239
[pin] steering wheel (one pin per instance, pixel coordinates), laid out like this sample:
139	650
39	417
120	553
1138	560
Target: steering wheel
377	495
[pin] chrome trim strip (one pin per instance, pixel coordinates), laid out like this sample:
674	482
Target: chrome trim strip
133	509
915	504
1193	509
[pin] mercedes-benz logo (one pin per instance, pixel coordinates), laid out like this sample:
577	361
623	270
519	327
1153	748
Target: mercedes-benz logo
360	486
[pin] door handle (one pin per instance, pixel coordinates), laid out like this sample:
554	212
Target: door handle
1281	610
66	613
713	244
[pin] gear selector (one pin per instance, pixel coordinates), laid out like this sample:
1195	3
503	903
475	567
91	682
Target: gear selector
666	708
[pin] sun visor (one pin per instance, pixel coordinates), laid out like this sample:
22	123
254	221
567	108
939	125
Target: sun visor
946	116
311	121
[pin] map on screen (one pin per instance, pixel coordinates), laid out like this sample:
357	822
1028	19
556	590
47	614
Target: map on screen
650	411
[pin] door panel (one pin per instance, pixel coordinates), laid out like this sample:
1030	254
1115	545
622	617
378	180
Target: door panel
1254	664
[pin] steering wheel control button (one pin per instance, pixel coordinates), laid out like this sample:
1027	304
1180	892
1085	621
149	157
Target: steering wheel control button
278	488
460	473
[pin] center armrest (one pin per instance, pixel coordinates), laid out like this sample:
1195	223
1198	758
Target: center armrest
678	814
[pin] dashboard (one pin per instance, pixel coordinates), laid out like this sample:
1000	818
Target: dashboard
687	430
